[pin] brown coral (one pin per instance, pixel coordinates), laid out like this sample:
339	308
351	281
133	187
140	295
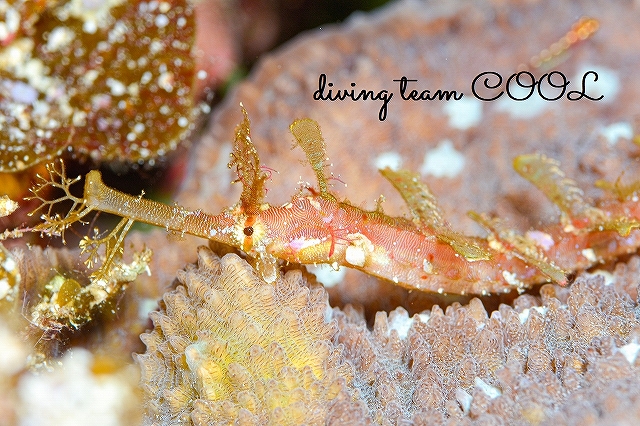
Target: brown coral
216	355
113	80
52	292
528	365
227	346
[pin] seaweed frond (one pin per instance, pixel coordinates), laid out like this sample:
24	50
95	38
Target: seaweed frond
622	191
113	244
54	224
102	250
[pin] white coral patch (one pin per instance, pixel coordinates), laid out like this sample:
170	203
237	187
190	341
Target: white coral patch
524	315
463	114
116	86
400	322
9	265
10	24
608	276
161	21
390	159
72	394
525	109
443	161
424	317
630	351
94	14
327	275
22	92
607	85
5	288
614	132
464	399
491	391
14	352
59	38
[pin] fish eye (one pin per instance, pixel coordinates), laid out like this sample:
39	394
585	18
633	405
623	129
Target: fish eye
248	231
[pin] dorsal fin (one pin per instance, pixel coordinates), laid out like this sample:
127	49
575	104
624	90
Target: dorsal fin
417	195
546	175
247	163
309	138
425	210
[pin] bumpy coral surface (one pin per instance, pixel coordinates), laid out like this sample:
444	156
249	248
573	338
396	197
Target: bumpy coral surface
229	346
567	358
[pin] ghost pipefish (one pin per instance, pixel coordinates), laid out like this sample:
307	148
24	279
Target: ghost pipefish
422	252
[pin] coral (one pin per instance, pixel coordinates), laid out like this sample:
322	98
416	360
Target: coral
12	360
229	347
536	363
79	391
113	80
53	293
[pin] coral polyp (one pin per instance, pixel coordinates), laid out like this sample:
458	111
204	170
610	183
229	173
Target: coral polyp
227	345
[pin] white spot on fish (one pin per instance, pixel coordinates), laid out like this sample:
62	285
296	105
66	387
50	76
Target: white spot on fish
542	239
427	266
355	255
511	278
314	203
303	243
589	254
